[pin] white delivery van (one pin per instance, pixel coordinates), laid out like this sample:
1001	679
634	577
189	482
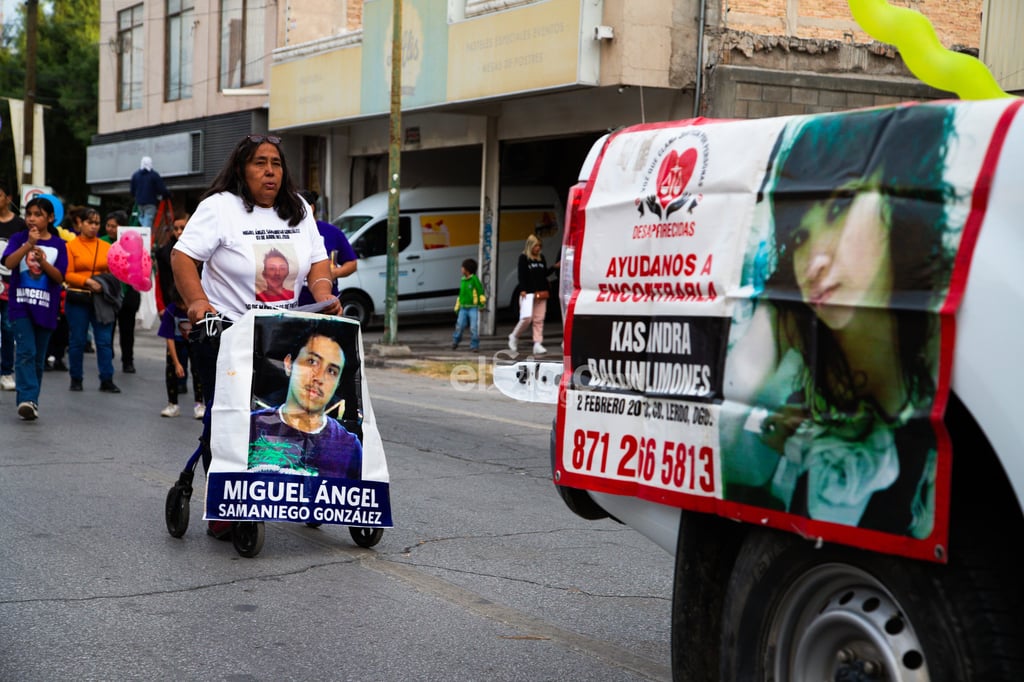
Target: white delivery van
792	360
439	227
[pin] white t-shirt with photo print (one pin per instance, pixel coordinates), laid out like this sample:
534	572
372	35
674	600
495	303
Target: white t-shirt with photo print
233	244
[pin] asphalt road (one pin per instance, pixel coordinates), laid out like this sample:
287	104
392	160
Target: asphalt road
485	576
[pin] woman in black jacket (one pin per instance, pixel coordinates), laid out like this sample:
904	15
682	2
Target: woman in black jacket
533	279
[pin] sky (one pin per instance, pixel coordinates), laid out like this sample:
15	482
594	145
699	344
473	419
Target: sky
10	8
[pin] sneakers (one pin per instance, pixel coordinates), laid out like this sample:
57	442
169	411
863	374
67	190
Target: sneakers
539	349
455	345
171	410
7	382
128	368
108	386
513	345
76	385
199	411
28	411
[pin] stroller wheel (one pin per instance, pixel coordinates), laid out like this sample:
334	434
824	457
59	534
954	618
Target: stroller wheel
366	537
176	510
248	537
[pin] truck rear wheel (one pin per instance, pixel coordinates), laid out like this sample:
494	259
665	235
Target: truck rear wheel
793	612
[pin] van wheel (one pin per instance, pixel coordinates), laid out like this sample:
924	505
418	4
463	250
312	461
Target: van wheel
356	306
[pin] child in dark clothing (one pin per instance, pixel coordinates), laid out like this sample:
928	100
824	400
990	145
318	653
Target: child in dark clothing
174	326
471	300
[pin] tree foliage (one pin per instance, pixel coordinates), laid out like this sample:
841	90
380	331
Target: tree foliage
67	74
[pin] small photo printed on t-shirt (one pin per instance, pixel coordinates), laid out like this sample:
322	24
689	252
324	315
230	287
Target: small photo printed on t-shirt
276	268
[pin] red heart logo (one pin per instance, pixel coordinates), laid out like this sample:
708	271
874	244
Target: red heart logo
673	175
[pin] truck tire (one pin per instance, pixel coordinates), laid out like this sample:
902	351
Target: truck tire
734	585
705	550
793	612
356	305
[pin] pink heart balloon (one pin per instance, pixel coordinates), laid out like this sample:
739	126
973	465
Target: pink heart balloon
129	262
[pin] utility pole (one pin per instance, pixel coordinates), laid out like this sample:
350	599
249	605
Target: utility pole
31	16
394	163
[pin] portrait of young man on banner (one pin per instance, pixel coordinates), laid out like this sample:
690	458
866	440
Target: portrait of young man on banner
293	434
300	432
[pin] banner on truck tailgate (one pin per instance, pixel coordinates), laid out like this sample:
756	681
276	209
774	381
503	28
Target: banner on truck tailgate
290	403
764	322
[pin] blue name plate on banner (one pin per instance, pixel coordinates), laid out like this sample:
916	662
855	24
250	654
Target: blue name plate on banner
249	496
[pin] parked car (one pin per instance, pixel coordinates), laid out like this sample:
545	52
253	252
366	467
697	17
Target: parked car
439	227
791	361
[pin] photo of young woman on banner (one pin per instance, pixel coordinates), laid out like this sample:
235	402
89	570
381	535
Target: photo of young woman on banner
295	438
834	400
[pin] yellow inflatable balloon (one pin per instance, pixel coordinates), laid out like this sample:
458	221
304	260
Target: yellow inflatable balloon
922	52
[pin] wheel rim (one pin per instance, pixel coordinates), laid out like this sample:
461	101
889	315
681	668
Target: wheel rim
838	622
355	308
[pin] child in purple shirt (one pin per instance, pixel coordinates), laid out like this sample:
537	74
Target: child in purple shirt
38	260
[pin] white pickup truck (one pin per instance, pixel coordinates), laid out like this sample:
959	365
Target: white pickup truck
792	360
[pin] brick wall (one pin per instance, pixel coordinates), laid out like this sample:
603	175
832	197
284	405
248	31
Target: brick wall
743	92
354	20
956	22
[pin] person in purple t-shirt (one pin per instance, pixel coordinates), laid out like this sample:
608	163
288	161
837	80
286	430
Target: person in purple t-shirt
298	437
38	260
10	224
343	258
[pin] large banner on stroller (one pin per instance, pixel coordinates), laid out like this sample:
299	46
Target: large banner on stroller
293	431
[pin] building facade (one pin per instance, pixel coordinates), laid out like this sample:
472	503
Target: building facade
182	80
516	89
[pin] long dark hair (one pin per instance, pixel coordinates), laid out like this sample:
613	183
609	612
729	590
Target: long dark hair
287	204
44	204
85	212
905	148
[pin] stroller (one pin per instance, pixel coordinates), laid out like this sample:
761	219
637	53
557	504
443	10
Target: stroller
247	536
290	468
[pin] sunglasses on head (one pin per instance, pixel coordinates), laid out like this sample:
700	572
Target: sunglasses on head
260	139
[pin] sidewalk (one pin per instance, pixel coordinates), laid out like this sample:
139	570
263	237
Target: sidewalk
430	339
